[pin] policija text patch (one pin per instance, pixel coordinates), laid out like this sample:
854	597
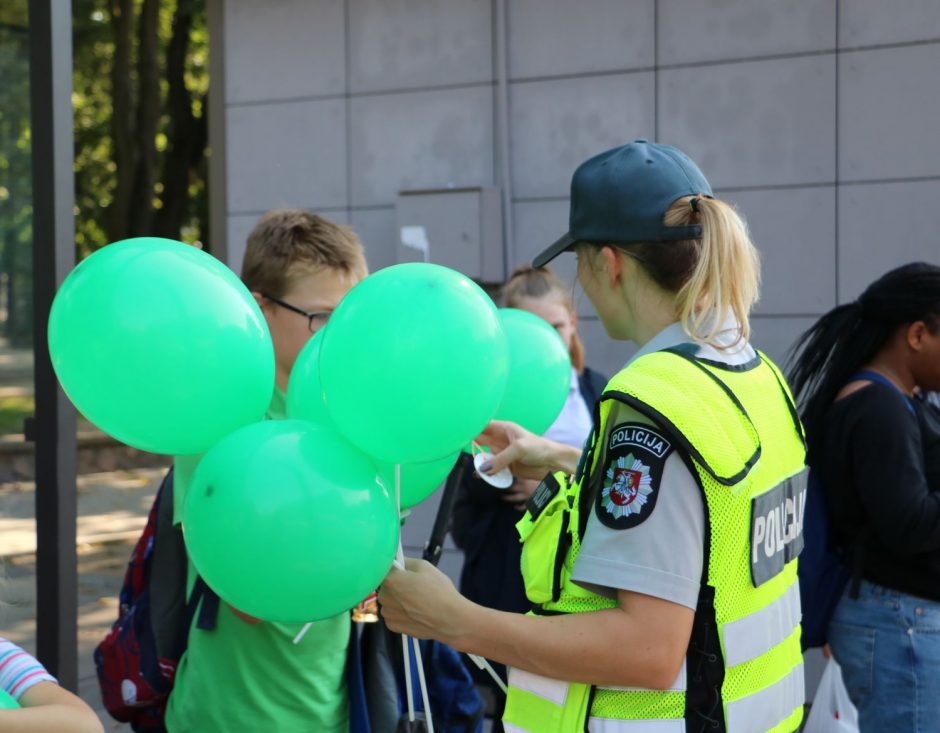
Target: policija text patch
636	454
777	527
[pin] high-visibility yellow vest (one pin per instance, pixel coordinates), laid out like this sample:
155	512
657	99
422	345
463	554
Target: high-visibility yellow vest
743	671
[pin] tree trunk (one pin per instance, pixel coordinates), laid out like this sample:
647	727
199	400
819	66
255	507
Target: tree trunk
186	133
122	119
148	119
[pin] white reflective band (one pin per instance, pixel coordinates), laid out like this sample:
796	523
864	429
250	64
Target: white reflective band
678	686
510	728
765	709
607	725
554	691
749	637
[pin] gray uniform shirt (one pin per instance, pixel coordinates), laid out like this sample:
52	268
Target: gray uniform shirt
646	528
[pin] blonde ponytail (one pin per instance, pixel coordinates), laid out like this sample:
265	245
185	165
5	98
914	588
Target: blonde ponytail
712	276
726	275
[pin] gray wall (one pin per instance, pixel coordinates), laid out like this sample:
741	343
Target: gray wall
817	117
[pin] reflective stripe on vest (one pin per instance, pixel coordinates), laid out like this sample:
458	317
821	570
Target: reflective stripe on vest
768	707
750	636
609	725
612	725
556	691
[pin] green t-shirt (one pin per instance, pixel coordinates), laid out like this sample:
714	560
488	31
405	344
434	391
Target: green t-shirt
244	677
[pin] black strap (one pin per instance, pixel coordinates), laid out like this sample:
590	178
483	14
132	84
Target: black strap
435	543
858	548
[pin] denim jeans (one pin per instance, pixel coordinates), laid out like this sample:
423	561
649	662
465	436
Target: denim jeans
888	644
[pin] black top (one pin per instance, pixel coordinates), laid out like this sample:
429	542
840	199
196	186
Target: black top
880	463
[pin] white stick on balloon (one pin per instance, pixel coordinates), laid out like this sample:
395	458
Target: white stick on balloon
424	685
483	664
400	562
303	632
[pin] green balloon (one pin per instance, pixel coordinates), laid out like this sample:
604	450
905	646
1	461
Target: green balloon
414	363
304	392
161	345
7	702
539	372
418	480
288	522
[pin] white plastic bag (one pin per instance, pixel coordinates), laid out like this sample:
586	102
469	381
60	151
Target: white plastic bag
832	710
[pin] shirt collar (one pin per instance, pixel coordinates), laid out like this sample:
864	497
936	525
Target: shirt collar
674	335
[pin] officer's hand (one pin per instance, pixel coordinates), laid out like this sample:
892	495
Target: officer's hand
421	601
526	454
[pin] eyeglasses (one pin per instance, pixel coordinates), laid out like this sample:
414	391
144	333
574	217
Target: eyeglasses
321	317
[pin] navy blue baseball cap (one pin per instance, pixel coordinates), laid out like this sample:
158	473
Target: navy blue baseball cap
621	196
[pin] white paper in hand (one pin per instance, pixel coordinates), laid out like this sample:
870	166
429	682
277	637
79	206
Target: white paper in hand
501	479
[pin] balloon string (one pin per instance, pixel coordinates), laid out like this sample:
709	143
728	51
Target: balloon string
409	690
424	685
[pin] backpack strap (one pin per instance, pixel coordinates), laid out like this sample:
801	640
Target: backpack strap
435	543
872	376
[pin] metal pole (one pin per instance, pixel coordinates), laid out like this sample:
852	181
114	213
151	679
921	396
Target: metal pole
53	427
502	134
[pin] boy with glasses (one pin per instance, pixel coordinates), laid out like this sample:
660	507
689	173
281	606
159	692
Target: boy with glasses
246	674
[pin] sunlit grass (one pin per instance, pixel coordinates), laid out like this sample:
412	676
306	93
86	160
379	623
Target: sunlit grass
13	410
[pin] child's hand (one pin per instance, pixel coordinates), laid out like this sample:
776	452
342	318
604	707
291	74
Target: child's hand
520	491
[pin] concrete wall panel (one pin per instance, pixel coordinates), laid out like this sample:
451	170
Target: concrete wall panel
558	124
884	226
289	154
420	140
408	44
889	111
284	49
754	124
875	22
692	31
559	37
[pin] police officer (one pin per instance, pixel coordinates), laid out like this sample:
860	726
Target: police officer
660	561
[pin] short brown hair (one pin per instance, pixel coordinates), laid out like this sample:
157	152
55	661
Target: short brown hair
285	238
540	282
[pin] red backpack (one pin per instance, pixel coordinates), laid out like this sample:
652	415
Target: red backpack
136	662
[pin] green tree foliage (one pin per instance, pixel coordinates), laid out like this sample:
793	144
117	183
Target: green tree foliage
15	174
139	99
141	76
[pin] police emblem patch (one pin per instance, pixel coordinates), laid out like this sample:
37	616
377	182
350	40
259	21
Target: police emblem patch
636	454
626	487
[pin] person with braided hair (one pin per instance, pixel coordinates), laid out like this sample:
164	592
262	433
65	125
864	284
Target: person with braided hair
859	371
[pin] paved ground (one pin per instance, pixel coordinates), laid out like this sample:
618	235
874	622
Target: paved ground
112	510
